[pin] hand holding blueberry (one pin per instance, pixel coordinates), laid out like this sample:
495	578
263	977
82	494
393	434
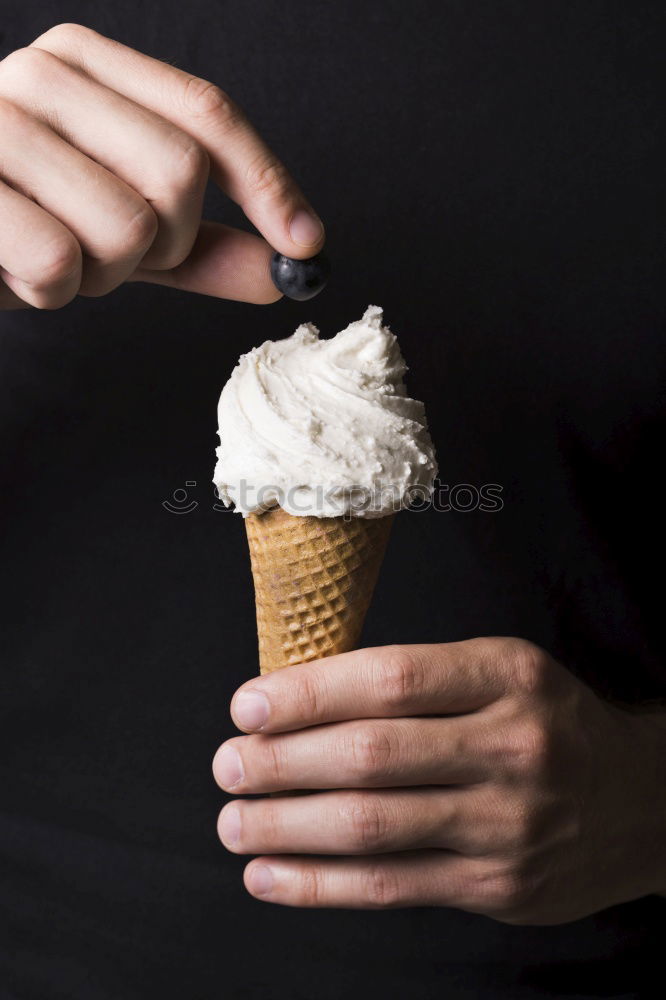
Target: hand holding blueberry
106	156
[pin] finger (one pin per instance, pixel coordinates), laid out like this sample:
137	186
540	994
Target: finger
421	878
224	262
241	162
377	682
367	822
40	260
156	160
366	753
112	224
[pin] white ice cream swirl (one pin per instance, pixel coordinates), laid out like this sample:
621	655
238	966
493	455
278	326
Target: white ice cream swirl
323	427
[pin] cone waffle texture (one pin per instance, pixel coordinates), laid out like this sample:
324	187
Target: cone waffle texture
313	582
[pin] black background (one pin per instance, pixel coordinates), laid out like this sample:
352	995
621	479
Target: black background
489	173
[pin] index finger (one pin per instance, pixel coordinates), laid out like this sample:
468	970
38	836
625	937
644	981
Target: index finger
241	163
380	682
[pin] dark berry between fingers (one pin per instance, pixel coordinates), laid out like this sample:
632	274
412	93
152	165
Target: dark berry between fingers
300	279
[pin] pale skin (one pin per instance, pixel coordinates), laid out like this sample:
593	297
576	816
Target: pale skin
104	160
480	775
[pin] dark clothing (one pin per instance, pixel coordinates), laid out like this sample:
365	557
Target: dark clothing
488	174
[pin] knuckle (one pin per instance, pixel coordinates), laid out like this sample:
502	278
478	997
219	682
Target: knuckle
381	887
203	99
505	891
59	261
188	166
365	824
306	696
274	755
139	231
400	678
530	666
271	825
23	64
371	752
531	747
311	890
268	178
67	31
512	894
521	825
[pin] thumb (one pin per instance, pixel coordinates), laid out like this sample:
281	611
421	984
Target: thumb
224	262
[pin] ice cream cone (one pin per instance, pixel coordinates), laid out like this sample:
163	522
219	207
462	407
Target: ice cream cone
313	582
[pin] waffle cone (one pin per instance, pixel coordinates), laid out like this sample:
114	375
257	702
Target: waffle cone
313	582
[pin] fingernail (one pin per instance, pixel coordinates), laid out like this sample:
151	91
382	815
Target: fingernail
251	709
230	824
229	767
260	880
305	228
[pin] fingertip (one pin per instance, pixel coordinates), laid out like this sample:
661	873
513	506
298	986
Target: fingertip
306	234
229	826
250	710
267	293
214	764
259	879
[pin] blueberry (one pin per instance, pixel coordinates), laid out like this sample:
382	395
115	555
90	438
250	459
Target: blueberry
300	279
